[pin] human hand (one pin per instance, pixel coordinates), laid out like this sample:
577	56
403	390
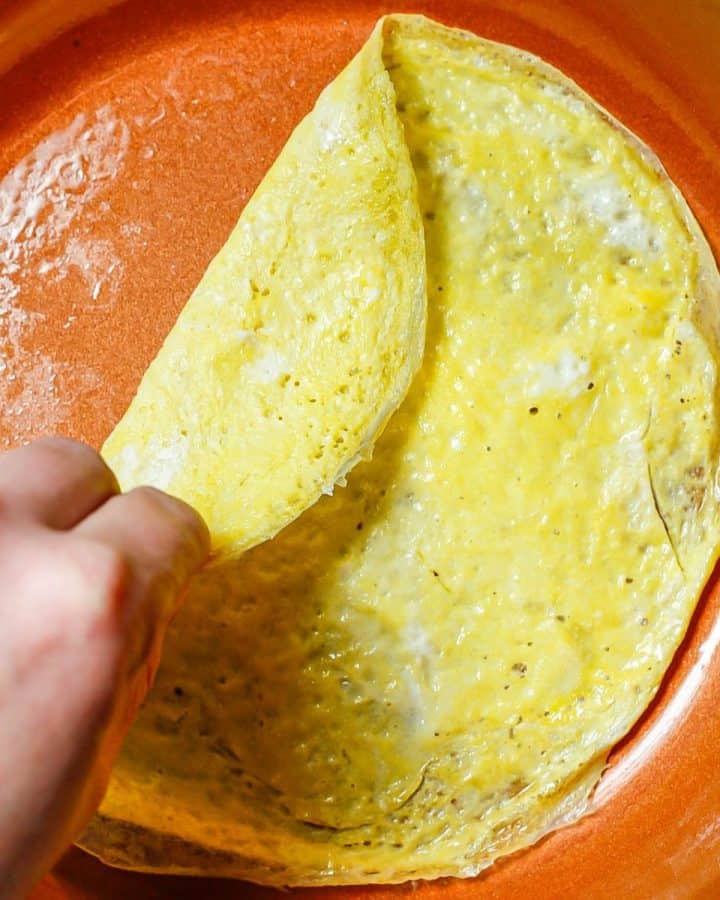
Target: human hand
89	580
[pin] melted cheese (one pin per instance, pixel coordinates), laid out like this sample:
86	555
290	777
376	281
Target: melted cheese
428	669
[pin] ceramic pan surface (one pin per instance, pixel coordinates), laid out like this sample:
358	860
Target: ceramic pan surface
175	110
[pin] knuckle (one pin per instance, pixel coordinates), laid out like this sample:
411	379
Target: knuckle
148	493
59	444
169	506
148	501
81	454
178	533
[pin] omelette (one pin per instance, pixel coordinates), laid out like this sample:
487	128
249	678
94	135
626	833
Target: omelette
427	669
303	335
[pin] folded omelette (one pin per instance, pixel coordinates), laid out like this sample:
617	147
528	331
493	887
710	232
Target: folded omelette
427	668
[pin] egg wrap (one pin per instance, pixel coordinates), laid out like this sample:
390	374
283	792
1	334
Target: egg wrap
428	669
304	333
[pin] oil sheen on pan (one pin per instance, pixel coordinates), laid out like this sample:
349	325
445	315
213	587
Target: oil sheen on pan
428	669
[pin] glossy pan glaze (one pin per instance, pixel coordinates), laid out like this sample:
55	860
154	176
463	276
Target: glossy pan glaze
185	105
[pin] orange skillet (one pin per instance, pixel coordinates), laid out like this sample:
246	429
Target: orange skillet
210	92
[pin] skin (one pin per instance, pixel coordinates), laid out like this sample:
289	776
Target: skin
89	580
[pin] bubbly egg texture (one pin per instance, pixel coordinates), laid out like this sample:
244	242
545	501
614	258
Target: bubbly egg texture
303	335
428	669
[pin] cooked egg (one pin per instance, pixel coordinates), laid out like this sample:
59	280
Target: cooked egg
428	669
302	337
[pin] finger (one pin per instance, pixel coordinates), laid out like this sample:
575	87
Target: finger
54	481
163	540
